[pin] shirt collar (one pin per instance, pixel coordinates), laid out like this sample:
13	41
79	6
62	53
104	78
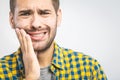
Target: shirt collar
58	60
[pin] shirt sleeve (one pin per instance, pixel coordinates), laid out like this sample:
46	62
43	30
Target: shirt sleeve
98	73
5	73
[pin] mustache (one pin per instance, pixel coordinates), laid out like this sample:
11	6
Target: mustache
34	29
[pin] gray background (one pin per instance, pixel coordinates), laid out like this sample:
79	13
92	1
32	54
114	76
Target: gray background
88	26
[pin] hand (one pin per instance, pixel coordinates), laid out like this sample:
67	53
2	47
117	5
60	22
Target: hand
32	67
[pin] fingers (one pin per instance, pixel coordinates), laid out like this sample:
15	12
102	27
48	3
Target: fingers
25	41
29	44
20	38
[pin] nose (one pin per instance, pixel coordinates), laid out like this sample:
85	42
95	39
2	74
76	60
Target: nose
36	21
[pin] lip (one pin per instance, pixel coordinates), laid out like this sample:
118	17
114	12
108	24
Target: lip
38	35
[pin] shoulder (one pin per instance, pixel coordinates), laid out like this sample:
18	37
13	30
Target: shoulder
11	58
80	59
6	63
71	54
9	67
7	59
83	63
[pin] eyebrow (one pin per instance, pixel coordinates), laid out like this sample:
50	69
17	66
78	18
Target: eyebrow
22	11
40	10
44	10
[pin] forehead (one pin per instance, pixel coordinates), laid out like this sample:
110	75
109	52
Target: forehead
31	4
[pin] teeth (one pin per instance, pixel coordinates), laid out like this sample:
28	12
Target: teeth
38	35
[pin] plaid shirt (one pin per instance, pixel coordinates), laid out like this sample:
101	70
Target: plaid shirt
66	65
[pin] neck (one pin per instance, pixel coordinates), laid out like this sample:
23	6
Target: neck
45	57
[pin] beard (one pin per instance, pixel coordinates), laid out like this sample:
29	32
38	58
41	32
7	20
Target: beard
42	46
38	47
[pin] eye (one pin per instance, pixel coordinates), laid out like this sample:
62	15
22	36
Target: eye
25	13
44	12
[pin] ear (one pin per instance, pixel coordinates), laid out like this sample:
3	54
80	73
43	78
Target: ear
11	20
59	17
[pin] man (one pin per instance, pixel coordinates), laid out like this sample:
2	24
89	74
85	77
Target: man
39	57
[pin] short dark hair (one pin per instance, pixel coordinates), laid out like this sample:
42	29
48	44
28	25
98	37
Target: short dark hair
13	4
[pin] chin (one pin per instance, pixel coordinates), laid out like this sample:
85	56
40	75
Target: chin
41	46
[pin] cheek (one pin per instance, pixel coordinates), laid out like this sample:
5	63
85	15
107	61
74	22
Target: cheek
51	22
22	23
53	26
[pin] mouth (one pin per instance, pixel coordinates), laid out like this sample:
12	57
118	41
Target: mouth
38	35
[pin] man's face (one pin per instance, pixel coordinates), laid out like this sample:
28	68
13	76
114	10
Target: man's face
39	20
